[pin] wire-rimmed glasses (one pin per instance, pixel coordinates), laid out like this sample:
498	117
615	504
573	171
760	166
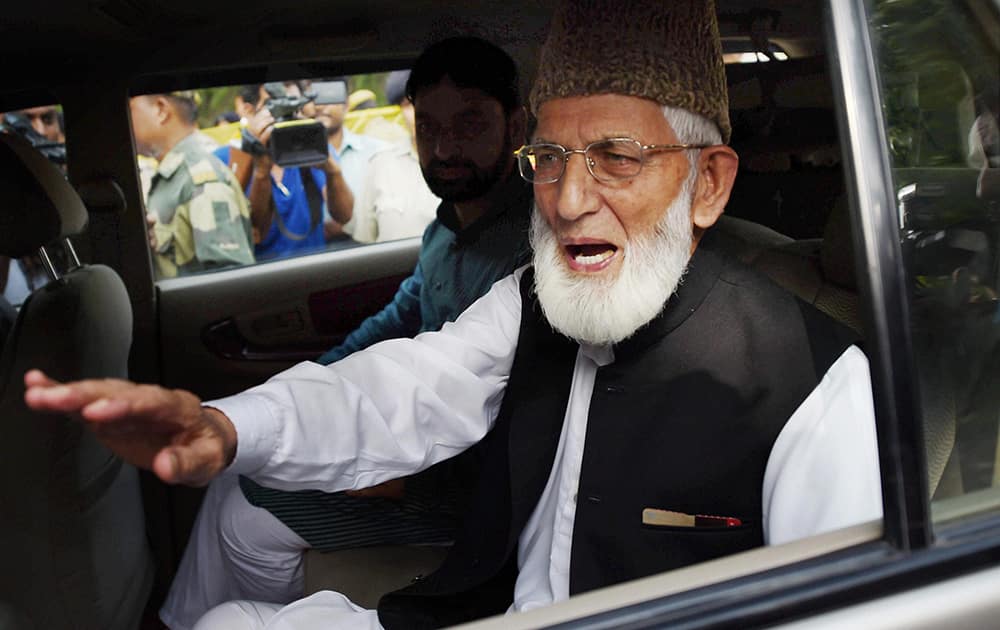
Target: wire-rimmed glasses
612	159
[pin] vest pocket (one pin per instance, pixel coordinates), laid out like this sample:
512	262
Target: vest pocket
670	547
694	531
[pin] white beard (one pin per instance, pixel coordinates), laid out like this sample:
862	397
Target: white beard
602	310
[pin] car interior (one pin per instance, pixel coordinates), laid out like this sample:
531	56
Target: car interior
92	542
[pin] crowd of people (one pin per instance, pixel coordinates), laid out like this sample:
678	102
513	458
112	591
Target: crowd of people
212	205
367	189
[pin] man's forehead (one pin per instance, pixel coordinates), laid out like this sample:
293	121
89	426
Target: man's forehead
446	98
40	110
599	117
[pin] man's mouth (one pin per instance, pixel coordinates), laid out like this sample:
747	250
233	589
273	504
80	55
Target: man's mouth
450	171
590	256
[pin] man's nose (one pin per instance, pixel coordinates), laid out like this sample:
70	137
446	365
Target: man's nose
37	124
577	194
445	146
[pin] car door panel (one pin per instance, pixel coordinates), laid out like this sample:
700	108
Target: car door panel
229	330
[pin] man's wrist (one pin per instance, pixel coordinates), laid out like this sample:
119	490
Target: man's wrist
331	168
261	171
251	447
225	431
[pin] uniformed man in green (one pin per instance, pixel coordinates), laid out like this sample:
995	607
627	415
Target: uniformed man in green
201	216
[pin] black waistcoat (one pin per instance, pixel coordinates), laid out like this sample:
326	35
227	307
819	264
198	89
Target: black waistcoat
682	420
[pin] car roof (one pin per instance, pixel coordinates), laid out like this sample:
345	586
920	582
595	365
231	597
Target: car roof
202	42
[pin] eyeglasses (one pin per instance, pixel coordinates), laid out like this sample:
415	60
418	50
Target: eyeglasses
608	160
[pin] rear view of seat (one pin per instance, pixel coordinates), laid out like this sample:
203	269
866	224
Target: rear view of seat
820	271
72	532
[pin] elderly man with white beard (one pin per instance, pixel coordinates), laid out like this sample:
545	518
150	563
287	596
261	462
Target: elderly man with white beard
645	401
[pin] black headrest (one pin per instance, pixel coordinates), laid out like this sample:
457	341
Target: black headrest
37	205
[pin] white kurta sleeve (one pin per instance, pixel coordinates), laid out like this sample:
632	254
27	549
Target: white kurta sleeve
823	471
388	411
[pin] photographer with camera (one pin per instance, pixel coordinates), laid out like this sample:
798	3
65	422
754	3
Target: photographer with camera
46	121
293	177
43	128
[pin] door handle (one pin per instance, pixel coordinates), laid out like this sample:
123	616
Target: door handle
224	339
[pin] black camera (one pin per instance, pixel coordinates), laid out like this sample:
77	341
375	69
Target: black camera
328	92
55	152
295	141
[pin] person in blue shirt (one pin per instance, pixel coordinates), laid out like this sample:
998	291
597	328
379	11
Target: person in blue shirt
248	541
289	206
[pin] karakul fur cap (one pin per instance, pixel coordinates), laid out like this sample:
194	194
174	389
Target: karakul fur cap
668	51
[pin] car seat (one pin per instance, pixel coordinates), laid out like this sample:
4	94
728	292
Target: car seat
820	271
72	530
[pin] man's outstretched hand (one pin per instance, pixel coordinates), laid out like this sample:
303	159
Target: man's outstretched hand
163	430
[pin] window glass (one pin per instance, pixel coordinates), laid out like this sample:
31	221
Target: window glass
44	128
939	67
242	174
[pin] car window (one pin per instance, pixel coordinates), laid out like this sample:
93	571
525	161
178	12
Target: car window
939	67
313	165
44	128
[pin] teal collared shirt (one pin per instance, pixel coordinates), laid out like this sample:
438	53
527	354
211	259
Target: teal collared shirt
456	267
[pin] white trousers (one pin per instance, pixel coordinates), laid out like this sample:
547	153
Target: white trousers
236	552
325	609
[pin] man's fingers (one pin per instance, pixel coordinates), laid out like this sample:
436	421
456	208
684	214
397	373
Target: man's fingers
151	228
54	398
193	464
265	134
105	409
37	378
111	401
165	466
164	430
95	400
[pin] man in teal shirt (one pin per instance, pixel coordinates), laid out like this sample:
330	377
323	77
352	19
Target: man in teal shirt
456	266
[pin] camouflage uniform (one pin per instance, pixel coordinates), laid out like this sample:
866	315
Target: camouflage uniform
202	215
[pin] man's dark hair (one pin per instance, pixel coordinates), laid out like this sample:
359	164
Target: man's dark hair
250	93
469	62
226	118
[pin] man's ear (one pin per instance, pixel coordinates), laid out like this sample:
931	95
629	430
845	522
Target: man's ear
717	166
517	127
163	109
